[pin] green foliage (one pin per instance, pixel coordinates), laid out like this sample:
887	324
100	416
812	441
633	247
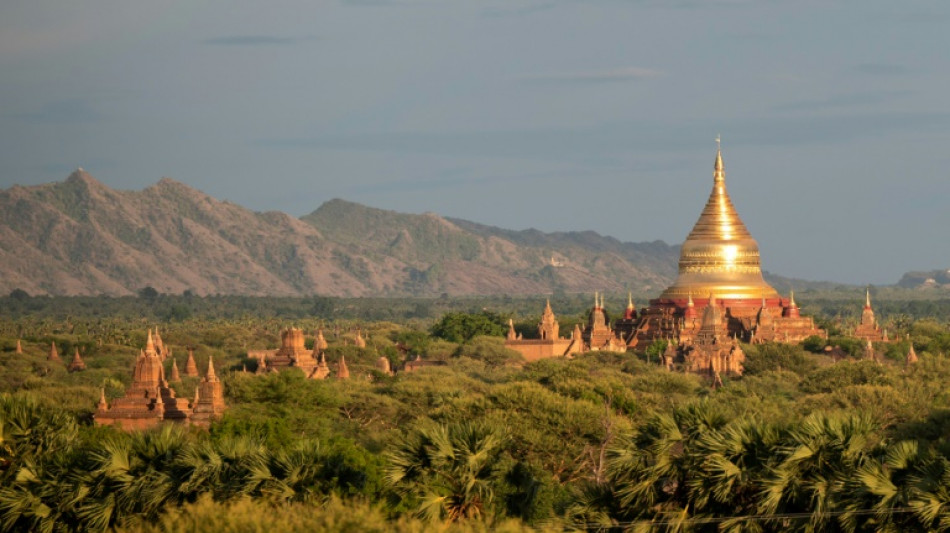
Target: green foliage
777	356
417	342
814	344
489	350
463	327
838	376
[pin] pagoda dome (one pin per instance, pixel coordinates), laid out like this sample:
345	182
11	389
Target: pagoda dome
719	255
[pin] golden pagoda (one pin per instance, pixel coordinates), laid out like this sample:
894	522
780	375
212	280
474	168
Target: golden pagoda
719	265
720	256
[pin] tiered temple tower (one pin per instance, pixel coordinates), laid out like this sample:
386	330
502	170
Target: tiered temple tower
719	262
548	327
868	329
149	400
210	399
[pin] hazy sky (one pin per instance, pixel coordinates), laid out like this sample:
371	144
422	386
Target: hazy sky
558	115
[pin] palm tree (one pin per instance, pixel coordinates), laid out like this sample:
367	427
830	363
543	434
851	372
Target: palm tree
906	477
650	471
822	455
447	471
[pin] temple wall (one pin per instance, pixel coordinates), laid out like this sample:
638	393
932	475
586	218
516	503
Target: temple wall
535	349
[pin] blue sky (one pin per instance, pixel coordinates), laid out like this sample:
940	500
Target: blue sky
558	115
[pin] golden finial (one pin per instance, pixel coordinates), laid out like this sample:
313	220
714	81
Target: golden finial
718	173
791	297
867	298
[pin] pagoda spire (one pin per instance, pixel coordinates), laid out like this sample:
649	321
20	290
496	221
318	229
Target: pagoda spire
149	343
103	405
210	376
629	300
911	355
176	376
791	298
191	368
867	298
719	172
19	347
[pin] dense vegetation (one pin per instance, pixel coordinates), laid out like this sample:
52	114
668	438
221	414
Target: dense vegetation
607	441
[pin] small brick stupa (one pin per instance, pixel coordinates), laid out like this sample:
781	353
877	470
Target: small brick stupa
191	369
77	364
342	372
176	376
53	354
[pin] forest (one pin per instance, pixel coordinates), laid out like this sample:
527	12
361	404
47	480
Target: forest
484	442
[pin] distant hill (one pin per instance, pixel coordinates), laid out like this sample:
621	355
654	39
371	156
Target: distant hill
79	237
925	280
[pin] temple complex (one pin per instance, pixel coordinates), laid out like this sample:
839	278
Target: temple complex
548	344
149	401
293	353
868	328
719	267
718	299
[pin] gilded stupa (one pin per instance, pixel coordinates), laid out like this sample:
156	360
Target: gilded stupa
720	265
719	256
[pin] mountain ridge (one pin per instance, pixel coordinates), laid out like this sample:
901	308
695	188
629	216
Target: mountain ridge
81	237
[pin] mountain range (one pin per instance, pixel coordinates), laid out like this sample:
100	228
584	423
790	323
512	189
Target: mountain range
80	237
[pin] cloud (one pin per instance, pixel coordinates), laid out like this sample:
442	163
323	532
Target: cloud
249	40
618	74
843	100
881	69
71	111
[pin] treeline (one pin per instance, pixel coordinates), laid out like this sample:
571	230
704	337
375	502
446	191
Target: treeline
830	306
